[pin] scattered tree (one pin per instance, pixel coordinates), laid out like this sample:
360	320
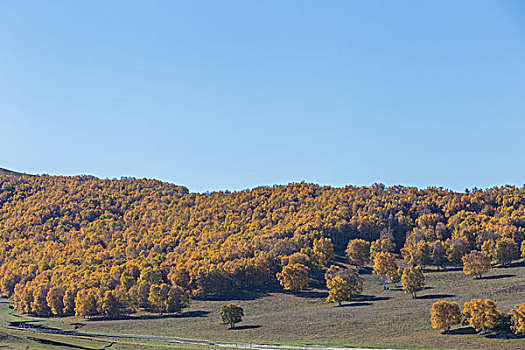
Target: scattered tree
476	263
386	269
444	314
518	319
481	314
231	314
342	284
413	280
293	277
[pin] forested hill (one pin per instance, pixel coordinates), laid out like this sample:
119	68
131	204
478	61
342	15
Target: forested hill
83	234
9	172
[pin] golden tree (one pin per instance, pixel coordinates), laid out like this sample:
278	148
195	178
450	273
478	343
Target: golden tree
178	299
342	284
358	252
69	300
86	303
55	300
523	249
481	314
444	314
413	280
518	319
109	305
385	268
324	250
293	277
476	263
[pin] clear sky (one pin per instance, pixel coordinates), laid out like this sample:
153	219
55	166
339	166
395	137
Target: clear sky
235	94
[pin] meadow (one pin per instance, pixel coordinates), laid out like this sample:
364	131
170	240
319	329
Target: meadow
379	318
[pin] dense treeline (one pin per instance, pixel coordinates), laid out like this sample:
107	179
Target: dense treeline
85	246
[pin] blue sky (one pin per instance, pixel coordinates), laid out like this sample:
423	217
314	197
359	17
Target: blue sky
235	94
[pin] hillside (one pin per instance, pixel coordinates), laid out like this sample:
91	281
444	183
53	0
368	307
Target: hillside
71	240
10	172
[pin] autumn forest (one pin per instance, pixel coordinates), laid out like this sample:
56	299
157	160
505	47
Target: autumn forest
90	247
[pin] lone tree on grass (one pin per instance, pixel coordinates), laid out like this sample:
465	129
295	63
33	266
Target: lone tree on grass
342	284
231	314
481	314
476	263
413	280
385	268
444	314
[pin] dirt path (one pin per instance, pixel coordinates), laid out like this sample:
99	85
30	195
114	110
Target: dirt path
181	340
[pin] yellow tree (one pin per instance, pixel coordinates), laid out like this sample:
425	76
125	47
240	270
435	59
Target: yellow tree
177	300
358	252
489	247
481	314
456	248
518	319
523	249
158	296
323	250
55	300
413	280
39	305
293	277
86	303
444	314
385	268
69	300
375	247
109	305
476	263
342	284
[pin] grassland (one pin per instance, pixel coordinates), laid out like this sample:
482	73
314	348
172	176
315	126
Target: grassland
379	318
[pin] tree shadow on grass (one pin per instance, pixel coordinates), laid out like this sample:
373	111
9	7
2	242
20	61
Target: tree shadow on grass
504	335
461	331
240	328
497	277
311	294
368	298
436	296
355	304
